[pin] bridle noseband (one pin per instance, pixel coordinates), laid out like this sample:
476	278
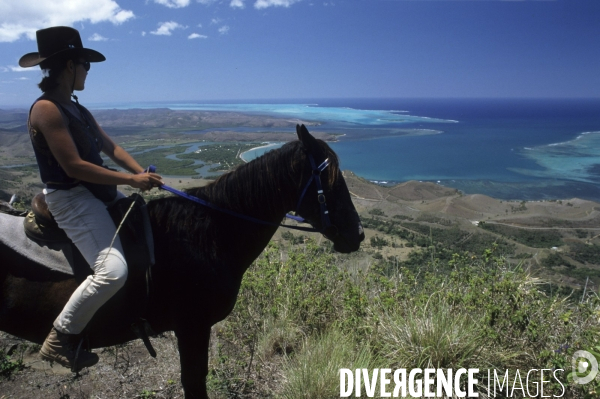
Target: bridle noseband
327	228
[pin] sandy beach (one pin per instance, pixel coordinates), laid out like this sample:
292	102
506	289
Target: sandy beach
270	145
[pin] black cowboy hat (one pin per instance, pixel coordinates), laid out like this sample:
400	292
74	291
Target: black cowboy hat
59	40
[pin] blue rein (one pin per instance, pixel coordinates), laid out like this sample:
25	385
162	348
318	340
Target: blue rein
316	177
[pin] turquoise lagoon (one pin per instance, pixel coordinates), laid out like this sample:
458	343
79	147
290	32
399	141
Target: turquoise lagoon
506	148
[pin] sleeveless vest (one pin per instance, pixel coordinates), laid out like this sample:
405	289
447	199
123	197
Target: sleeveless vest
87	139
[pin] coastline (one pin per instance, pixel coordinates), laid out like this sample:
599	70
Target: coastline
274	145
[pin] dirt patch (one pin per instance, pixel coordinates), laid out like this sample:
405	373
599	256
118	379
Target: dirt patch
124	371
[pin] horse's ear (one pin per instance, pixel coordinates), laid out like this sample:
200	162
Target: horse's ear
307	140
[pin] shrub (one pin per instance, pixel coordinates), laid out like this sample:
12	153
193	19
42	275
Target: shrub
555	259
378	242
585	253
376	212
8	366
431	335
531	238
292	238
314	373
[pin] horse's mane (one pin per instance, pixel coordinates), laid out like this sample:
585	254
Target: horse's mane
252	182
264	184
250	185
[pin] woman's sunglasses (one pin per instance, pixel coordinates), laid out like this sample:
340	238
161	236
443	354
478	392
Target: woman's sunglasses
86	64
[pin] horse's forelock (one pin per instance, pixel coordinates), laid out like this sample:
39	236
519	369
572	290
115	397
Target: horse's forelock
332	171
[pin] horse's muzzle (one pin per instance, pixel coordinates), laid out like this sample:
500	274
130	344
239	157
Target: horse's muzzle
348	242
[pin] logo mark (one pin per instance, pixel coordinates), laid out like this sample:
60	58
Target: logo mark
580	366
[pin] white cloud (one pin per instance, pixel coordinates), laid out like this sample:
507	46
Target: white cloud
237	3
143	33
206	2
14	68
97	38
273	3
22	78
197	36
20	18
215	21
173	3
167	28
224	29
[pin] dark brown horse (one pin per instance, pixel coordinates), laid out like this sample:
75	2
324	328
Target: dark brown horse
201	256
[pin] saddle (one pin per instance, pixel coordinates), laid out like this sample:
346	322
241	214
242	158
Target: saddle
135	233
40	225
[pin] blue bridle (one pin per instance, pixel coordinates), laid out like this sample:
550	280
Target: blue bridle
315	177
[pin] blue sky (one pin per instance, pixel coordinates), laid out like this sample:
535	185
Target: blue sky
202	50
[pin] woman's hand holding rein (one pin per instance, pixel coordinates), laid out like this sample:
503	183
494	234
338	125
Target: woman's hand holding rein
145	181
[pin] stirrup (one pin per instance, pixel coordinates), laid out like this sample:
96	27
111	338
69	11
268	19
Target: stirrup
77	351
141	327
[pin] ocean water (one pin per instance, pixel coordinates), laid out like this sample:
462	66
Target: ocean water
510	149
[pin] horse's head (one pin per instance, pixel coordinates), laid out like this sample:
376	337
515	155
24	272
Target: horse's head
330	211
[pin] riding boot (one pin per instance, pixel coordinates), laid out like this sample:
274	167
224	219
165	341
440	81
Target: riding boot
62	349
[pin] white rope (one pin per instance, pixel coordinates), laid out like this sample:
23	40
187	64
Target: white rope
117	233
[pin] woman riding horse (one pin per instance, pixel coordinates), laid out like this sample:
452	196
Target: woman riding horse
201	254
67	142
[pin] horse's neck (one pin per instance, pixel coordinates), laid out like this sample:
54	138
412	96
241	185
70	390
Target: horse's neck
265	189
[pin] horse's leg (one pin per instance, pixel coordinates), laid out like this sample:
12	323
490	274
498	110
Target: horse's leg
193	354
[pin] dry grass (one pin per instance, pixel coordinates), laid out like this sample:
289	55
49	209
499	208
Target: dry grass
314	373
432	336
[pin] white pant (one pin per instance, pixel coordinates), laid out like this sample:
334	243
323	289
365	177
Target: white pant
86	222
